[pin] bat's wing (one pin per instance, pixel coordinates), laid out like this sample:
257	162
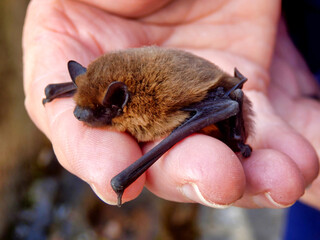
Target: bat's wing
68	89
205	113
59	90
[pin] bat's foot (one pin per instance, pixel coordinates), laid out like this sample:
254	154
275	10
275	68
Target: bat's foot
245	149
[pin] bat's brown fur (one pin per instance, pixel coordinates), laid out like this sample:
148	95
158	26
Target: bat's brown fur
160	81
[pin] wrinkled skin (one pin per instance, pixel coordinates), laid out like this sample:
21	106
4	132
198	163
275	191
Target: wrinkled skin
199	168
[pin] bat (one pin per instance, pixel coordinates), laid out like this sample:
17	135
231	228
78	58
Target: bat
152	93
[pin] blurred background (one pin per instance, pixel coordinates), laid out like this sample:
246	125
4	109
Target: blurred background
40	200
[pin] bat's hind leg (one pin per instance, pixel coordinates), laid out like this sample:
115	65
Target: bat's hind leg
239	132
233	129
245	149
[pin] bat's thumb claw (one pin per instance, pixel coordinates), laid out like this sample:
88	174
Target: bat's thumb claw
45	100
119	204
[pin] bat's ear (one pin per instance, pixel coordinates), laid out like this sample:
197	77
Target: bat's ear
75	69
116	95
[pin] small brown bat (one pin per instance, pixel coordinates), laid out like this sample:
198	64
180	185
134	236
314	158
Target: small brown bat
153	92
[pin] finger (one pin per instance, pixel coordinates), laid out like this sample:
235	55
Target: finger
211	175
95	155
278	173
198	169
91	154
302	113
272	132
273	180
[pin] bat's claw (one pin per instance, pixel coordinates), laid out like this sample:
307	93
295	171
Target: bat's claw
118	189
46	100
119	194
245	150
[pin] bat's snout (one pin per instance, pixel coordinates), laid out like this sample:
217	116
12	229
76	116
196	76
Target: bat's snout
83	114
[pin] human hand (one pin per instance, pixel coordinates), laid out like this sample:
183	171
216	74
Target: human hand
199	168
291	91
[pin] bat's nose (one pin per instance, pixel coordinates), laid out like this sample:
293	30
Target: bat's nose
82	114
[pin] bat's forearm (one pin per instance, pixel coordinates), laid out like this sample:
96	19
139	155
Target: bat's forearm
59	90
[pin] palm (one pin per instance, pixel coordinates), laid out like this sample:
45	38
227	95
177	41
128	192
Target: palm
220	32
292	86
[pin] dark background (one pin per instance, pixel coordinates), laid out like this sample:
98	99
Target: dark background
303	18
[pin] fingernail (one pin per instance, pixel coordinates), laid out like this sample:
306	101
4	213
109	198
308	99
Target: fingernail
93	187
265	200
192	192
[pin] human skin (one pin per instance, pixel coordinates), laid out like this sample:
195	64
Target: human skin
292	91
200	168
